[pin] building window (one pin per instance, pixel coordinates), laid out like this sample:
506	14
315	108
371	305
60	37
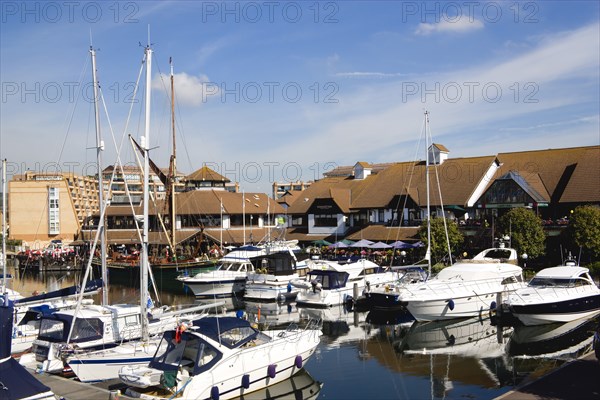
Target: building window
53	211
297	221
325	220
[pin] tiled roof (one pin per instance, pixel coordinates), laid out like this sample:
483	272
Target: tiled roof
383	233
206	174
208	202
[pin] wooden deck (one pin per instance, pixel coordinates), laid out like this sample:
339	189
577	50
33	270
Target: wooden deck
70	389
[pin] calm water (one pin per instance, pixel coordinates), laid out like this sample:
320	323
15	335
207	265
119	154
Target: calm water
387	356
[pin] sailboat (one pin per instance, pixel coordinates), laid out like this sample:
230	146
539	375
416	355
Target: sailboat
172	264
27	309
67	333
15	381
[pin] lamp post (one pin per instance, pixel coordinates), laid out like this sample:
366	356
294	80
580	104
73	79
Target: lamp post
403	254
524	257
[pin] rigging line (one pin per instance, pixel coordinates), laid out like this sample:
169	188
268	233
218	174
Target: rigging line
119	165
68	122
437	176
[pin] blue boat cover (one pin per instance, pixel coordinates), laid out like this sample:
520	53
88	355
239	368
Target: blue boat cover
15	381
213	326
68	291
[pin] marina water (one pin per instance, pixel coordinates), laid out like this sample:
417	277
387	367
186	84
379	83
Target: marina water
368	354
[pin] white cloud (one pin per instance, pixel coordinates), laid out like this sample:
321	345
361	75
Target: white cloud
189	90
461	25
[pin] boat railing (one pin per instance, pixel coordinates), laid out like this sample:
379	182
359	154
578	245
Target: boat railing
556	292
454	286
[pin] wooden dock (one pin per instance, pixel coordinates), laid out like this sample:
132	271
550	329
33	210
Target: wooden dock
70	389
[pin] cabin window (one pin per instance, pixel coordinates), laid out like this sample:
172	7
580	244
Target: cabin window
87	329
51	330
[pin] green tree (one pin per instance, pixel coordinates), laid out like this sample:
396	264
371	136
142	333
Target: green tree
439	245
526	231
584	228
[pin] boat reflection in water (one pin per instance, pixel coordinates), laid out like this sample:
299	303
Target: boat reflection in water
301	386
272	314
446	355
560	340
534	349
340	325
473	337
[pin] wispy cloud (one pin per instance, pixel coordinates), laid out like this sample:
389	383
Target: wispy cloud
190	90
461	25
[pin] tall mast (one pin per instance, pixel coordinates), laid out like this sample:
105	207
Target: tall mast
173	166
99	150
146	147
3	226
428	253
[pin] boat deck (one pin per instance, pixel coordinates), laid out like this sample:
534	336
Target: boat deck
70	389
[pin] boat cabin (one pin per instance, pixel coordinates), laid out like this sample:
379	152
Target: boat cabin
328	279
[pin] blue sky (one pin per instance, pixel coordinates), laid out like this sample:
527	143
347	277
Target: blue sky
287	90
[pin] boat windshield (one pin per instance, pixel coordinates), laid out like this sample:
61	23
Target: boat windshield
554	282
51	330
329	279
85	329
187	351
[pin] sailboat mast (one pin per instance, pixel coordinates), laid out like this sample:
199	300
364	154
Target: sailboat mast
3	226
428	217
146	146
99	150
173	166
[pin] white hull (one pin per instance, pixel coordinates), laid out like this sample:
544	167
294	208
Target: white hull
270	292
463	307
105	365
542	319
223	287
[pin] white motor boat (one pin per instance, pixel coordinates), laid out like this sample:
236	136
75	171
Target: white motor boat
220	357
556	294
329	283
97	327
229	277
271	280
468	288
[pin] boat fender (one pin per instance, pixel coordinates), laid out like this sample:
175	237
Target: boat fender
493	306
239	314
298	362
272	370
246	381
289	287
451	304
214	393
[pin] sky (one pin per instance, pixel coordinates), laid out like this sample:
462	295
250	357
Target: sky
287	90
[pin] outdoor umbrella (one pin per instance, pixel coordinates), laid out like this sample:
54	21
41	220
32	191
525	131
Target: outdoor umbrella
380	245
362	243
347	241
321	242
399	244
337	245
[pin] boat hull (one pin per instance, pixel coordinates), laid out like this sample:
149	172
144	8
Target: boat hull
218	288
559	311
472	305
